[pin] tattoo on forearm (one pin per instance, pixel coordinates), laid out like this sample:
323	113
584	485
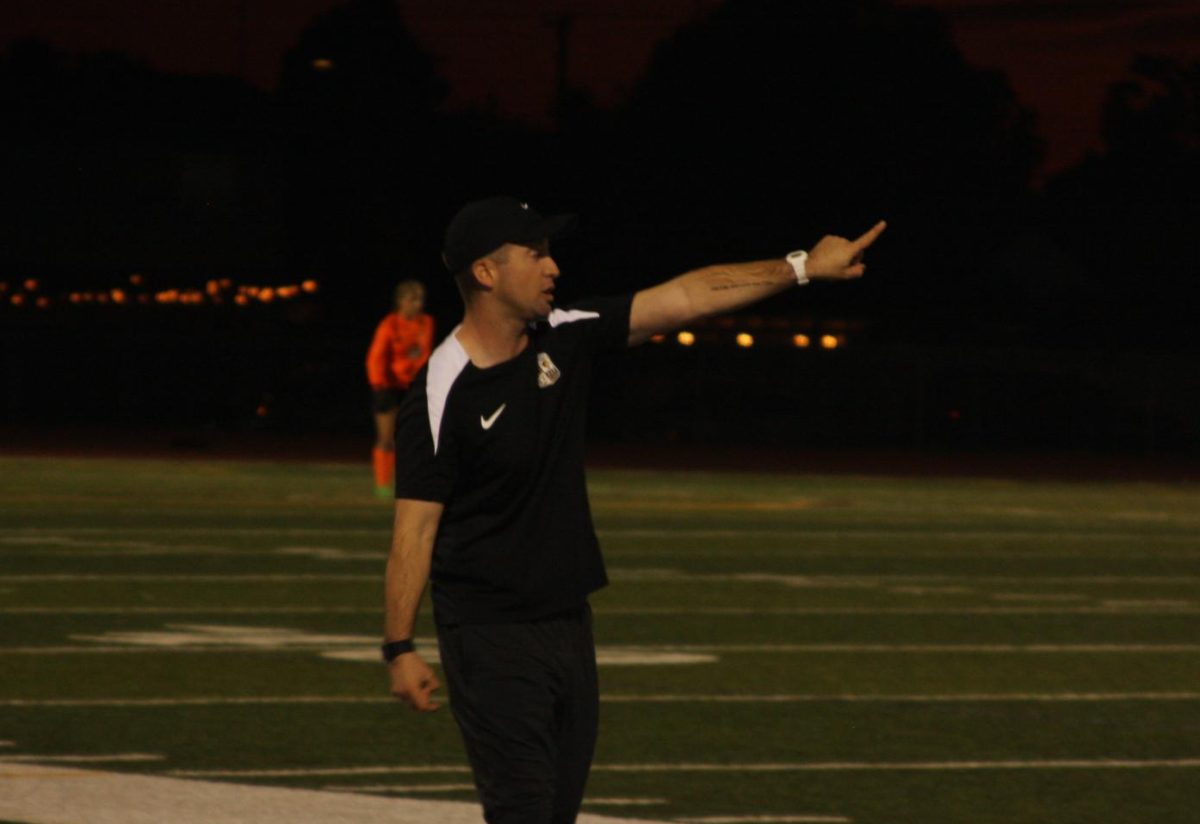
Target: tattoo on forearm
727	285
723	280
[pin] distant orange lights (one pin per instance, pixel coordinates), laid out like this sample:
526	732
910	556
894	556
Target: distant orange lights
322	64
686	338
830	342
31	285
801	341
310	286
745	340
135	279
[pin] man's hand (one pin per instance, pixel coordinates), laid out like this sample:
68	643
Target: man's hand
836	258
413	682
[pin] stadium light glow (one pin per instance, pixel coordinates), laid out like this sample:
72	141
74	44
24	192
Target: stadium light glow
31	285
657	338
136	279
801	341
829	342
322	64
685	338
117	295
745	340
17	300
309	286
42	302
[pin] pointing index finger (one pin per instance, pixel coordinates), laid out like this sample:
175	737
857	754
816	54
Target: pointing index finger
870	235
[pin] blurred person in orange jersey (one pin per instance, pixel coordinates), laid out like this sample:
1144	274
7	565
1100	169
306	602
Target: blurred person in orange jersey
401	346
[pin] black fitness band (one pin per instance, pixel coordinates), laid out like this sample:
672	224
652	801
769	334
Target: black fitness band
394	649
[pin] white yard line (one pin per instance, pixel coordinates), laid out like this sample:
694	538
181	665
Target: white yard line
633	698
116	758
802	766
51	795
618	652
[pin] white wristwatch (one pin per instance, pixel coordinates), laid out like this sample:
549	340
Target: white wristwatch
798	260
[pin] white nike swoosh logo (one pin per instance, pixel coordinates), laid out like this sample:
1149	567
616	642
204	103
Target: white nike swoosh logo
486	423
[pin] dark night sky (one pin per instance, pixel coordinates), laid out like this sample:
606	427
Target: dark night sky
1059	54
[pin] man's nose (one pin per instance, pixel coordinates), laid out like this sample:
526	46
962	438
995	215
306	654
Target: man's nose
550	266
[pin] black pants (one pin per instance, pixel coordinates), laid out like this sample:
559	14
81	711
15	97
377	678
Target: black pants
526	700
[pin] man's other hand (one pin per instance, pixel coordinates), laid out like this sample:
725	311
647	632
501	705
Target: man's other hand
413	682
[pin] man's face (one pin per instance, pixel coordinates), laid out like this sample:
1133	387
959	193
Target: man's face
526	279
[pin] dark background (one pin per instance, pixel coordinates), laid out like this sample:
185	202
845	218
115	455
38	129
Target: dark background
1010	305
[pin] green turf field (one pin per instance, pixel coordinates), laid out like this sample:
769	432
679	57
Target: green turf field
773	648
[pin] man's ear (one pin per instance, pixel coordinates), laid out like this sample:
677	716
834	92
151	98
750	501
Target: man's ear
484	271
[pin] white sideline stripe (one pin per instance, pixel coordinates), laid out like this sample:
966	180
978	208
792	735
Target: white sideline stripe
400	769
118	758
815	766
684	650
630	698
631	611
52	795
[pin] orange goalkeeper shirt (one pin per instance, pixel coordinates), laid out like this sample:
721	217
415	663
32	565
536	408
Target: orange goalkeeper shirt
399	350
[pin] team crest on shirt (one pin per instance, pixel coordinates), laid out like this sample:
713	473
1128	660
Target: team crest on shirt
548	373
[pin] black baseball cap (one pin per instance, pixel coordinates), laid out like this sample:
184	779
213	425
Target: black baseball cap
482	226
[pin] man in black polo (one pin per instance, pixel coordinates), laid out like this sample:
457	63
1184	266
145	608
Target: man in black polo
492	501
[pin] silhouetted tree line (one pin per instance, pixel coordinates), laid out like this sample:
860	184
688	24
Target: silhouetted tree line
753	131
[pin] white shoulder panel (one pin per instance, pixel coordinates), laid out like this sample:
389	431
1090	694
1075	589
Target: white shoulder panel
445	365
560	316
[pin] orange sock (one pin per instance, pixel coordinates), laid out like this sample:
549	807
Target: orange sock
385	464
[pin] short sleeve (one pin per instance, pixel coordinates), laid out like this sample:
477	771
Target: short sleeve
605	321
424	472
